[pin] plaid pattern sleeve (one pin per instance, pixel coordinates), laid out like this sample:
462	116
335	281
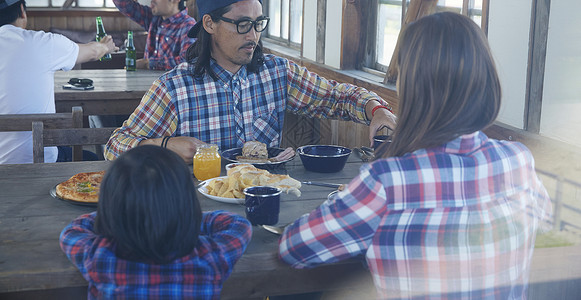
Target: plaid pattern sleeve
141	14
199	275
167	39
453	222
230	109
155	116
313	95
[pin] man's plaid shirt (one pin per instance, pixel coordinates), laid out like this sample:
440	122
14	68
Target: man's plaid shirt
236	108
451	222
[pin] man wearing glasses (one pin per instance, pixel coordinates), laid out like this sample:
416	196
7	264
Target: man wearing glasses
229	92
166	22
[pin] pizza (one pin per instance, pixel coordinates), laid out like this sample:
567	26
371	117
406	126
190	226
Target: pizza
83	187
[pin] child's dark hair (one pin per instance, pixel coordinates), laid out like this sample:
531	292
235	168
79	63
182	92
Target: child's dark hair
148	206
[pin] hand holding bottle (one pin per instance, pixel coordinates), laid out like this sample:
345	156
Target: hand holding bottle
107	41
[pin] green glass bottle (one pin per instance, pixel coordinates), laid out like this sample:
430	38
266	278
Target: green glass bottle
130	55
101	34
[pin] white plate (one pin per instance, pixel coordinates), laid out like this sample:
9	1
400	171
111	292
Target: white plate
203	189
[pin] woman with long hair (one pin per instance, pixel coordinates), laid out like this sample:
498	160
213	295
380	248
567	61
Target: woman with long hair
445	212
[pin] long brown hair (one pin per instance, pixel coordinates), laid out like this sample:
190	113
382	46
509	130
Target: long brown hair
447	83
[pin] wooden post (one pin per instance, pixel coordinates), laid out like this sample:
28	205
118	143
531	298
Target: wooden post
353	32
321	24
536	65
416	10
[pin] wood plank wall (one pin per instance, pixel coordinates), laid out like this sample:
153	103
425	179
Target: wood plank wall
78	19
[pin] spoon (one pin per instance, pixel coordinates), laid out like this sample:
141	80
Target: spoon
274	229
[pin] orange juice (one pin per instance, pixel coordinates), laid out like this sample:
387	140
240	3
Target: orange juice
207	162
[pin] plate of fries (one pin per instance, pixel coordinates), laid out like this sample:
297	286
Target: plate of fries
213	186
230	189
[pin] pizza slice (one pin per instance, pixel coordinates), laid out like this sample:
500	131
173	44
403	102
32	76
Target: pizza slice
82	187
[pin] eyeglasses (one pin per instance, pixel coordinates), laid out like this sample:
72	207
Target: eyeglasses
244	26
80	81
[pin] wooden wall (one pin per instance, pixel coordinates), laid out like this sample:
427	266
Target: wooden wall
78	19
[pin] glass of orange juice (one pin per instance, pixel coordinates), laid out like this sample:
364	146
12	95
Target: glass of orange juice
207	162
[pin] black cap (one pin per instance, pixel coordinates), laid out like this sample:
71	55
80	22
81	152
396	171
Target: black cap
6	3
206	7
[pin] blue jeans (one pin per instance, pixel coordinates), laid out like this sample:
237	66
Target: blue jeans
66	154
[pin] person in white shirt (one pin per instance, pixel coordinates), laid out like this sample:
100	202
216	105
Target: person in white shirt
28	61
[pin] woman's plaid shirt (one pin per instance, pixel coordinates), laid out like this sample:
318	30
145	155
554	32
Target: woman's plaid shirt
236	108
450	222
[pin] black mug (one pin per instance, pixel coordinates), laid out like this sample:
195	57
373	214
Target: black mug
262	204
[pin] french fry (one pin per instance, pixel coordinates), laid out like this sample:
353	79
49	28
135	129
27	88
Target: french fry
243	176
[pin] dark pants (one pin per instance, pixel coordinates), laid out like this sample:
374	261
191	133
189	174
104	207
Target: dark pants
66	154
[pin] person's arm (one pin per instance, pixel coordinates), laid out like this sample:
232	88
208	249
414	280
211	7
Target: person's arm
381	116
77	239
318	97
141	14
154	118
95	50
230	232
341	228
174	52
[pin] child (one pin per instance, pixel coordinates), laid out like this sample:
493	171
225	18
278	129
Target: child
149	238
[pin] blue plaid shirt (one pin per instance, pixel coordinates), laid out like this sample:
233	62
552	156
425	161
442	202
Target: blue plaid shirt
199	275
167	40
237	108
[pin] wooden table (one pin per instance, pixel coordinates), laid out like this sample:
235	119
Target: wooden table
116	92
33	265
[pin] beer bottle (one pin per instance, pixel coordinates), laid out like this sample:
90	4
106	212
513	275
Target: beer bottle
130	55
101	34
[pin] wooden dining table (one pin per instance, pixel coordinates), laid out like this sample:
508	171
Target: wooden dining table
116	92
32	264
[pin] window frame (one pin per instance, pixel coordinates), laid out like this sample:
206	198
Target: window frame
370	61
279	40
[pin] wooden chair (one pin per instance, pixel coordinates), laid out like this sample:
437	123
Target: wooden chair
23	122
42	137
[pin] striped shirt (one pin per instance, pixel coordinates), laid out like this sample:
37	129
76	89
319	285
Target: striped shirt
167	40
457	221
236	108
222	241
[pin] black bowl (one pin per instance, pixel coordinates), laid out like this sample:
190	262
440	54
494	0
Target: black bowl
380	139
324	158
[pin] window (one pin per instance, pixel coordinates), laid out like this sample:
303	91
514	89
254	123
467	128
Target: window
286	21
75	3
389	21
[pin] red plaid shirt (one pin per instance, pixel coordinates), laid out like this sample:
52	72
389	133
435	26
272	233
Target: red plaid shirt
452	222
199	275
167	40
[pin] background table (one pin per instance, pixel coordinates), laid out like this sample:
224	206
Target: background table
31	221
116	92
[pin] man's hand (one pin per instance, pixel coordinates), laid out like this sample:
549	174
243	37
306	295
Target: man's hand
184	146
380	119
107	41
142	63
